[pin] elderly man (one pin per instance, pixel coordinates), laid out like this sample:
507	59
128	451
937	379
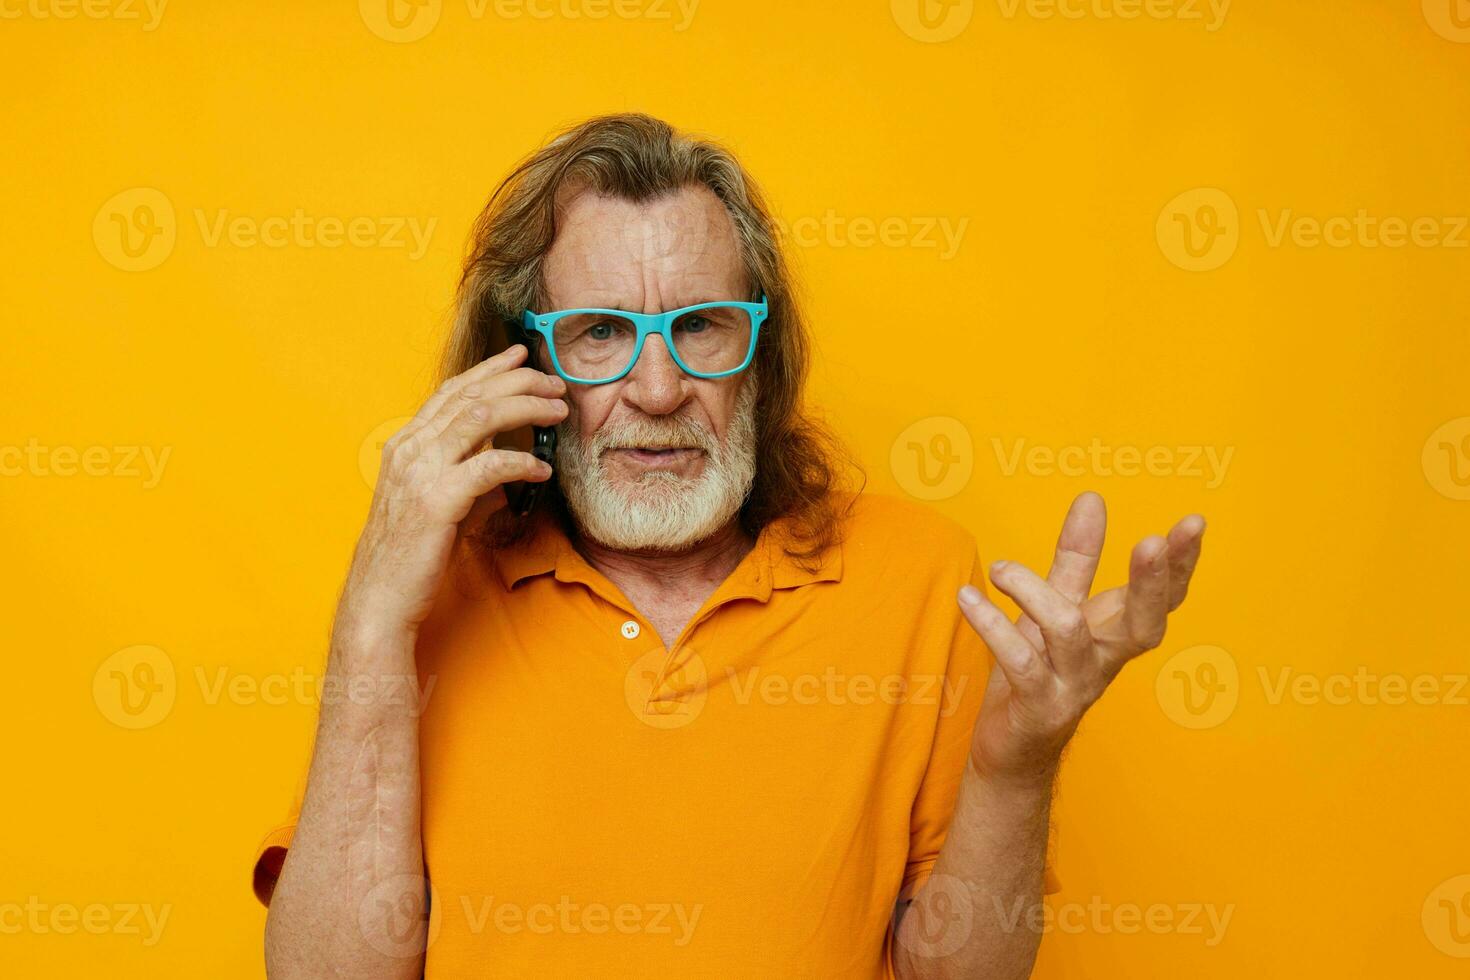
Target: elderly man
695	710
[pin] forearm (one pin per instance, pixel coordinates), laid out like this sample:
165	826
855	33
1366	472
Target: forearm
973	917
350	894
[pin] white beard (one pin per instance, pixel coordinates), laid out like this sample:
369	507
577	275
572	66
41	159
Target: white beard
659	510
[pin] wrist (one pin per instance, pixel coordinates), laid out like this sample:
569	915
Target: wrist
372	637
1032	778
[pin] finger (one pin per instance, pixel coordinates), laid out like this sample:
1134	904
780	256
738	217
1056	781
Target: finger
480	474
1079	549
1024	669
1185	539
1061	623
1146	602
506	360
488	390
481	419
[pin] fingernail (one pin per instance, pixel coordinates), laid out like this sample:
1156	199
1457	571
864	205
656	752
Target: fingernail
970	595
998	566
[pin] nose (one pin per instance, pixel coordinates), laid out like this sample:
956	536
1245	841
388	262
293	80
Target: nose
656	386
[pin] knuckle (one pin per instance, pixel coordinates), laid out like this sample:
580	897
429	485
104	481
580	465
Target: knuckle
1149	635
495	464
1072	623
402	446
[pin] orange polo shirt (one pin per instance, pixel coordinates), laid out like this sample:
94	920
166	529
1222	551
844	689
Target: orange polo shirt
749	802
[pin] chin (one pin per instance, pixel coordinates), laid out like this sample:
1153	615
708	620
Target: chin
657	511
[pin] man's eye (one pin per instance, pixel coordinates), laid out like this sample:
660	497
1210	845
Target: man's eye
694	323
601	331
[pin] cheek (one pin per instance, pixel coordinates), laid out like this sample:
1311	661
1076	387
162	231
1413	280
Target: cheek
589	408
719	408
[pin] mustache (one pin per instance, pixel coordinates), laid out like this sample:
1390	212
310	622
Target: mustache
654	432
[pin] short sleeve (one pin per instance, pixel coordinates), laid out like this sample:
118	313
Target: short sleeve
269	858
966	673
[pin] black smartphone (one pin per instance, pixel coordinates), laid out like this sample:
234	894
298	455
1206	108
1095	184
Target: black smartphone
537	440
523	496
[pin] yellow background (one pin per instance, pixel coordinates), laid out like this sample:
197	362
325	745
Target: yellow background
1338	536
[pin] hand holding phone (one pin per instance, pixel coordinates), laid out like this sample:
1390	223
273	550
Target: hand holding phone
543	447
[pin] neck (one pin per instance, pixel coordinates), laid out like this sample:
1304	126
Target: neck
708	561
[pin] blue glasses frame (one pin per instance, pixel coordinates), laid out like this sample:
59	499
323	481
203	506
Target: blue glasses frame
543	324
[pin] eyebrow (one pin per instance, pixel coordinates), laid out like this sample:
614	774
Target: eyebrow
626	308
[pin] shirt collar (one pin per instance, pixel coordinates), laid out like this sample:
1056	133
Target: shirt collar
769	566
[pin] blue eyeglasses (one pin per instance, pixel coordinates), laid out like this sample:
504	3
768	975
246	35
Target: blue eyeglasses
595	347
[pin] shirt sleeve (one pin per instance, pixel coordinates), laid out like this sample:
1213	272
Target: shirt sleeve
269	858
966	673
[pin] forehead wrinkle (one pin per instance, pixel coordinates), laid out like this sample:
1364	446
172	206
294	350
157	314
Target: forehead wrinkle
645	256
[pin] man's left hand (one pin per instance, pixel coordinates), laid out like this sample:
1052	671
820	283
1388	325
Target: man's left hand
1060	656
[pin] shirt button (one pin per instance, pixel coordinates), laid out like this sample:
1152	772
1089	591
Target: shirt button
631	630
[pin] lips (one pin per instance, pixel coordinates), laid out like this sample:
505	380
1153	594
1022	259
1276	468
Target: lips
655	456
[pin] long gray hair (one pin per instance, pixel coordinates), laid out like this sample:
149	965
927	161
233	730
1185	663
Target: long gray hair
799	463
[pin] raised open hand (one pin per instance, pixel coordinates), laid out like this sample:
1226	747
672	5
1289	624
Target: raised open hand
1060	656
